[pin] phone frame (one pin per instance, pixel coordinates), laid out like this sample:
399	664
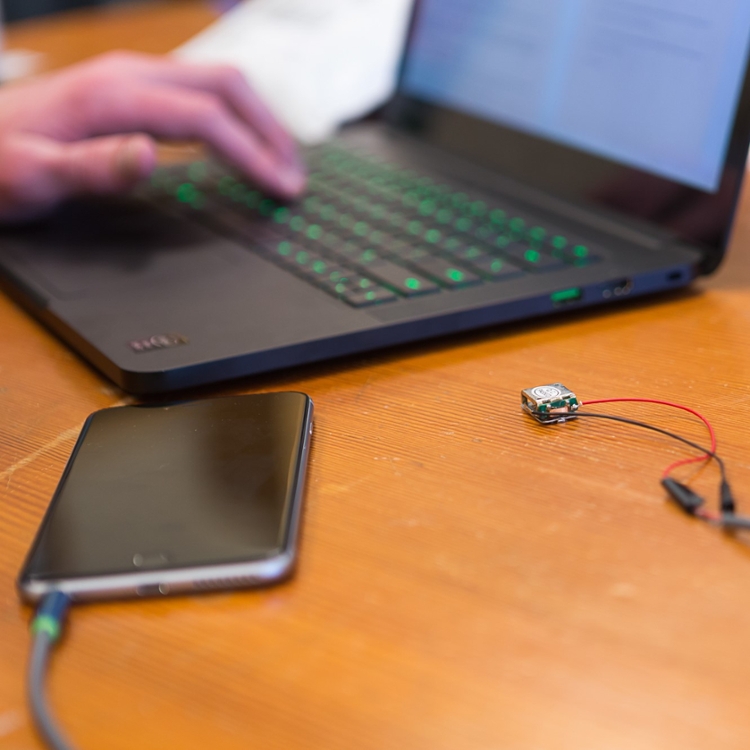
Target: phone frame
177	580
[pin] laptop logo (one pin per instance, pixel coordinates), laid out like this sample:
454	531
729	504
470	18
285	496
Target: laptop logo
160	341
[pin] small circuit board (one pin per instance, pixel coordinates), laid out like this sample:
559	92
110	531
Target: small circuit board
549	404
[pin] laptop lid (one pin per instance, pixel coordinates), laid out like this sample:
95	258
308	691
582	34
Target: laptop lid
642	108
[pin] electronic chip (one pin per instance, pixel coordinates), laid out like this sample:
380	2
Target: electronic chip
549	404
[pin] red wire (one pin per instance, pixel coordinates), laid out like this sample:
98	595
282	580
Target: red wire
683	461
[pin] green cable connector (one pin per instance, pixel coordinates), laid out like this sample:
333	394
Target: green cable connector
46	624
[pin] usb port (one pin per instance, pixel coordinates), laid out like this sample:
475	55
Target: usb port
566	296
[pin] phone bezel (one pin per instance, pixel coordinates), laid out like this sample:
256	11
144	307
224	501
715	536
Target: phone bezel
177	580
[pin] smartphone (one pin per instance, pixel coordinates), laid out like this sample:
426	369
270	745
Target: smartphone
176	498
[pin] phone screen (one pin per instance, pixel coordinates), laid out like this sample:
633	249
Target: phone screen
185	485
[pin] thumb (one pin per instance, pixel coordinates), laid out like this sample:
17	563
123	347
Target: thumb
101	165
36	173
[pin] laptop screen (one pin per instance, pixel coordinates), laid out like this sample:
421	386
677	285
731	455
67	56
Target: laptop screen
650	84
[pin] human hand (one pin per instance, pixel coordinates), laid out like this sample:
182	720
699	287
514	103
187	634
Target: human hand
90	128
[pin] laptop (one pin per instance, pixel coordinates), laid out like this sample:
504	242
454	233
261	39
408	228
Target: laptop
537	157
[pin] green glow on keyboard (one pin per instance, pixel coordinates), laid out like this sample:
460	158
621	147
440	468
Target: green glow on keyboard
537	234
297	223
454	274
433	236
281	215
361	228
319	266
559	242
497	216
314	231
415	227
226	183
532	256
496	265
478	208
302	257
340	288
517	225
365	283
267	207
427	208
238	192
444	216
463	225
284	248
197	171
580	251
252	199
185	192
412	283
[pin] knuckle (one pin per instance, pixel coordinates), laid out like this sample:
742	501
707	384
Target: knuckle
230	76
87	91
207	111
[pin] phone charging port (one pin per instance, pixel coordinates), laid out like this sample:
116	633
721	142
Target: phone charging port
619	288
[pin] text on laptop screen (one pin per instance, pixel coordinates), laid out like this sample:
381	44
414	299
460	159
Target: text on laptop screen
653	84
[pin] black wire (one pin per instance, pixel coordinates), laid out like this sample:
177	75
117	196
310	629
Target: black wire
728	520
653	428
40	710
46	627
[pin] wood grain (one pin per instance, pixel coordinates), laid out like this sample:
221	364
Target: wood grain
468	579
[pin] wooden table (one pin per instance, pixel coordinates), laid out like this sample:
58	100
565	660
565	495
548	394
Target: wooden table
468	580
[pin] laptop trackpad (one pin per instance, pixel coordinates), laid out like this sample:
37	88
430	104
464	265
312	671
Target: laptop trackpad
98	245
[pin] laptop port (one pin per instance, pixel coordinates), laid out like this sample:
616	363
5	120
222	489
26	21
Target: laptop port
566	296
619	288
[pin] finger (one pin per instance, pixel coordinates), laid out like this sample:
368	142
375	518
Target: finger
232	87
109	164
38	173
222	81
184	114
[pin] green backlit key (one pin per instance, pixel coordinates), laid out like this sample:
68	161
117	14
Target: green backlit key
367	297
403	280
448	274
495	268
531	257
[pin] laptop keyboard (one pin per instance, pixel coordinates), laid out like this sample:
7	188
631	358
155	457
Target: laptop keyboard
370	232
